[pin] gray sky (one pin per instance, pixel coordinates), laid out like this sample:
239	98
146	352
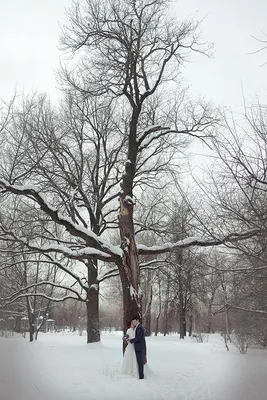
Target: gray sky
29	31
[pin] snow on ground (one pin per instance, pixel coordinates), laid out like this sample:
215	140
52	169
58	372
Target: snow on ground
61	366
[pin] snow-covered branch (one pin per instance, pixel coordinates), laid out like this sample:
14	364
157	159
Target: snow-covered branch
95	246
54	299
195	241
109	274
152	264
15	294
69	272
81	254
149	130
228	306
49	258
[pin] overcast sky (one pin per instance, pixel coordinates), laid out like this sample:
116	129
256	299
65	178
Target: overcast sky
29	31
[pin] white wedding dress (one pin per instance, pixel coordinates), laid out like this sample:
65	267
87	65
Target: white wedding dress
129	363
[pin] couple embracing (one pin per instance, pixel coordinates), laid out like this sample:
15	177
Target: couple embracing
134	355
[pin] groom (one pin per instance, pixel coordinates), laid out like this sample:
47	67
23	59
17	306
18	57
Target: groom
139	345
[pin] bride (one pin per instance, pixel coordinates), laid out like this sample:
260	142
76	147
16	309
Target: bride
129	363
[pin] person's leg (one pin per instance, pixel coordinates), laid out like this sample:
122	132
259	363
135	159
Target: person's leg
140	362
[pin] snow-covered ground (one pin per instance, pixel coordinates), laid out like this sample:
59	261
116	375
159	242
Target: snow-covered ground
62	367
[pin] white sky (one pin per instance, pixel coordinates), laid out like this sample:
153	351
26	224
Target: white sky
29	31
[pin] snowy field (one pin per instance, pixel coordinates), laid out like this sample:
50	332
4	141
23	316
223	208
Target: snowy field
62	367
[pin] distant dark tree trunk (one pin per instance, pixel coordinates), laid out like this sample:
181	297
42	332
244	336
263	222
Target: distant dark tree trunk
157	324
147	304
30	319
179	261
18	323
147	319
227	330
210	312
190	324
166	307
183	327
159	309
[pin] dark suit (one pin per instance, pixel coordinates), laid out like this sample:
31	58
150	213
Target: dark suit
139	346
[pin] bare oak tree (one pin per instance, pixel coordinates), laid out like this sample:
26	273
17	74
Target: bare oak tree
125	53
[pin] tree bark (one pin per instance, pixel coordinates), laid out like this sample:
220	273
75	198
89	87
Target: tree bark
131	307
92	304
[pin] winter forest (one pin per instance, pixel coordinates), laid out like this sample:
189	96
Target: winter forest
131	195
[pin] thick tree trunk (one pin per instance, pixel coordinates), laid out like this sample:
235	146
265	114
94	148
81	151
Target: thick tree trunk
131	302
131	306
92	304
129	270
